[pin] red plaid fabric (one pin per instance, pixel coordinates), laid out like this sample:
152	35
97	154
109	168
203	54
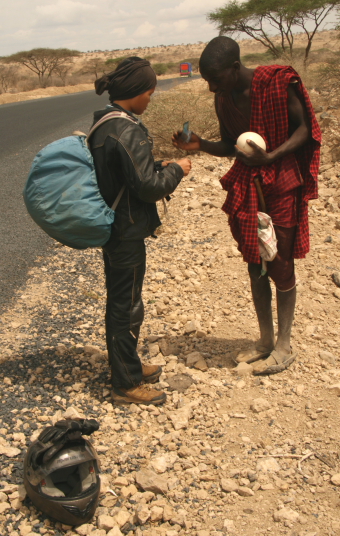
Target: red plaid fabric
269	118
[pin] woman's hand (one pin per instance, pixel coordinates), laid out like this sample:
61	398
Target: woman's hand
193	145
258	157
185	164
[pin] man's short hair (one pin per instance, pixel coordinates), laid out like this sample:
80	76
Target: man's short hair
219	54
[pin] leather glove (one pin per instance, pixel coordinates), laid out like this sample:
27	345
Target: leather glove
53	438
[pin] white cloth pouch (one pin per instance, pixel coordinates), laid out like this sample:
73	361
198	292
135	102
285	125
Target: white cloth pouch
266	239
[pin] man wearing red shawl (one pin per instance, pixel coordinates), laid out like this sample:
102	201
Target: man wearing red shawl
272	101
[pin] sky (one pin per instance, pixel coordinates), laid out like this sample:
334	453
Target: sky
103	24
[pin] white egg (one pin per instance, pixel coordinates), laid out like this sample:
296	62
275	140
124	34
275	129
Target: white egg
256	138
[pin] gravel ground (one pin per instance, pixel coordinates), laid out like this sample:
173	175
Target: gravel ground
229	453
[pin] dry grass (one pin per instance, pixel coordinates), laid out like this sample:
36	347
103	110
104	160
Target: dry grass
41	93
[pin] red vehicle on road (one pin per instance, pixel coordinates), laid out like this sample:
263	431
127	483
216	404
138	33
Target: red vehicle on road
185	69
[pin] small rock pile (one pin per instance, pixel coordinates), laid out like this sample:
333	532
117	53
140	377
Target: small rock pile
229	453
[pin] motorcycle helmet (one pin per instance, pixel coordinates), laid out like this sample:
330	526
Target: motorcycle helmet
61	472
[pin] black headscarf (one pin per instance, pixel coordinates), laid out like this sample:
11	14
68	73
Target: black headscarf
132	77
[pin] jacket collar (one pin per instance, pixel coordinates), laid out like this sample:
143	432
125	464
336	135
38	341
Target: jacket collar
112	107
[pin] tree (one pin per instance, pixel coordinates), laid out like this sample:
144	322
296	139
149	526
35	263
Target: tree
63	71
113	63
94	66
8	77
42	61
257	18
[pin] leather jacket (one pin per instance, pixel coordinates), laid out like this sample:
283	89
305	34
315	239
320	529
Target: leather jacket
122	154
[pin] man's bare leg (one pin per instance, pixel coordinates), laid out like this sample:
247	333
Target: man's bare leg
281	357
285	315
262	298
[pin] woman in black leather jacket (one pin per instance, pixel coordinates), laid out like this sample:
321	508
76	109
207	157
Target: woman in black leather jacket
122	153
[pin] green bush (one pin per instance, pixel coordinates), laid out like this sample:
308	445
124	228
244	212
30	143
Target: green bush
160	68
172	67
113	62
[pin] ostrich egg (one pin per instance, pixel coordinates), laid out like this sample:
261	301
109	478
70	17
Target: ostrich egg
256	138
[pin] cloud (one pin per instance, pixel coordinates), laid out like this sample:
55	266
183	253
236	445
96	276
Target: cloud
181	25
188	9
109	25
23	34
118	32
144	30
65	12
120	15
173	28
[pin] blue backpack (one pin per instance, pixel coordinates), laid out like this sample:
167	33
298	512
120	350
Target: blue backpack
62	195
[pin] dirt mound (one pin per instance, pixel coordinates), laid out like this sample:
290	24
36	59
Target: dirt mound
42	93
325	45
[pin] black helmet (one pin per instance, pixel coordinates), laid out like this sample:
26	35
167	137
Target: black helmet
61	472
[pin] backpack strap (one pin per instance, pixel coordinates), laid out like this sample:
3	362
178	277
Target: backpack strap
118	198
107	117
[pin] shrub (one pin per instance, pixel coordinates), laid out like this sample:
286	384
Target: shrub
172	67
329	75
27	83
8	78
114	62
169	110
160	68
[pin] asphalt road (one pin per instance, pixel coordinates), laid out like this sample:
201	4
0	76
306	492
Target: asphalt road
25	128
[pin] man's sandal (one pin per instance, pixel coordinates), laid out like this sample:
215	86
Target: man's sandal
252	354
273	364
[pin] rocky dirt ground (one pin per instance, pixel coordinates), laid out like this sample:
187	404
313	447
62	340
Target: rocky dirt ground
229	453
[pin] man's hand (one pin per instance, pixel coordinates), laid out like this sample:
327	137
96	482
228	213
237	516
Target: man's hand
258	157
193	145
185	164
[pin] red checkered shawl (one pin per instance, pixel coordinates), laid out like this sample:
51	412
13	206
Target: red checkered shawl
269	118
